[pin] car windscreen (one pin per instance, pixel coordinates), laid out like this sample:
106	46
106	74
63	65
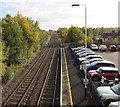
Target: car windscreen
94	60
93	57
110	72
102	64
99	70
116	89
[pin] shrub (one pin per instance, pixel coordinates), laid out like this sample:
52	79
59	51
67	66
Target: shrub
8	74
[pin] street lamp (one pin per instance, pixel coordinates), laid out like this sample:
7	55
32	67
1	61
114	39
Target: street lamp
85	81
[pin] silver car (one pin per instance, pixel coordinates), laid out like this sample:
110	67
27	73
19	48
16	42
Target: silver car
109	94
103	48
114	104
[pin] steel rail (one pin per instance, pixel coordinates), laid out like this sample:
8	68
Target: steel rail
33	79
41	93
56	80
23	80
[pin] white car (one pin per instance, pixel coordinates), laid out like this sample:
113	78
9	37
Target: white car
103	48
109	94
114	104
93	47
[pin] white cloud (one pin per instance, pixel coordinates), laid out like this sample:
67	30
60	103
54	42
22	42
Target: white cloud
59	13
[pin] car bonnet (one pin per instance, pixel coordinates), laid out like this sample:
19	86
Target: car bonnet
105	90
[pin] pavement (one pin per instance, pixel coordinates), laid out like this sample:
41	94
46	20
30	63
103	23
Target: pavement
66	99
76	85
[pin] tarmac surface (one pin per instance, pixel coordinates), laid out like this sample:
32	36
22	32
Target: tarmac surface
78	91
110	56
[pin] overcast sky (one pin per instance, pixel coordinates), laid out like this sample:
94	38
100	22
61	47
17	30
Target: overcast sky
54	14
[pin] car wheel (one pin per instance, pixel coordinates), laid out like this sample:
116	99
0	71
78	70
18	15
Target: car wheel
95	78
107	102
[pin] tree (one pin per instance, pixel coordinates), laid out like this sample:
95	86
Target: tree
14	41
90	31
74	35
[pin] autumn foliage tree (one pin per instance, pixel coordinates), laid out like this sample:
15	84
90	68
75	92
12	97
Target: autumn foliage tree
74	35
21	37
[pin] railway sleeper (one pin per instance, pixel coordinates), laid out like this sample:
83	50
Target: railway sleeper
49	88
11	103
45	104
24	86
15	101
22	89
47	99
49	91
49	85
47	94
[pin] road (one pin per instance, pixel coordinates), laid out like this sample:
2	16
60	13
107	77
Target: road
110	56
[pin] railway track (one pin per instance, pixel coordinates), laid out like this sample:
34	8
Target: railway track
48	95
40	85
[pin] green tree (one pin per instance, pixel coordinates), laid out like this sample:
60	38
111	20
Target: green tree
74	35
14	41
90	31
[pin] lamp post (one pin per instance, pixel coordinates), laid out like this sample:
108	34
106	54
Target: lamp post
85	81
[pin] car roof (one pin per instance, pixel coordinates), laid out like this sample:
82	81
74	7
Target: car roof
96	59
84	51
94	56
104	61
109	68
103	45
93	44
112	45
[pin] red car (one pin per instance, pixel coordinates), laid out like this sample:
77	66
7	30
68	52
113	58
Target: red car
107	72
112	48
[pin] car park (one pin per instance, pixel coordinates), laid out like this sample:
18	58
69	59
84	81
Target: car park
103	48
114	104
107	72
93	47
112	48
109	94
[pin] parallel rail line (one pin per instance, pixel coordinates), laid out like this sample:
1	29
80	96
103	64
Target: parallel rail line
24	84
41	82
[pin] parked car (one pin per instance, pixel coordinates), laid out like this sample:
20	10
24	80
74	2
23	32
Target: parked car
89	57
90	61
109	94
93	47
107	82
95	59
86	54
78	48
95	65
84	51
118	47
103	48
114	104
112	48
107	72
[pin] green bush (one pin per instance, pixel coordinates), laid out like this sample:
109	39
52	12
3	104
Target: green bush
8	74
